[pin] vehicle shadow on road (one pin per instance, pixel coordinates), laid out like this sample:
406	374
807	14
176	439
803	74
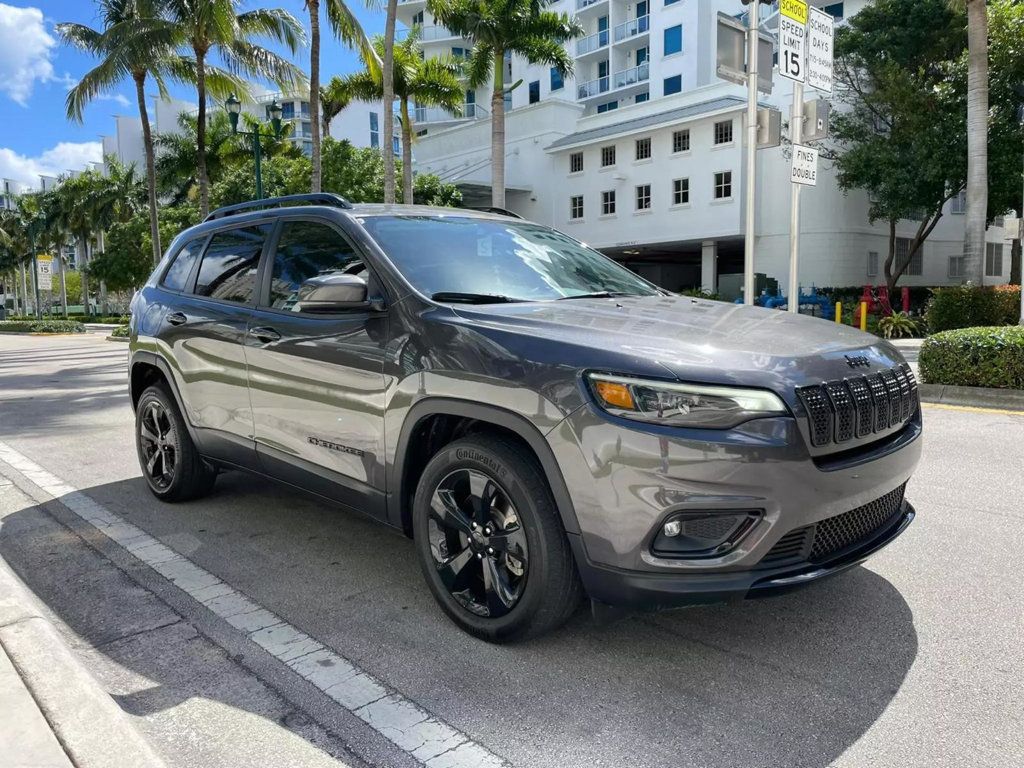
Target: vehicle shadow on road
787	681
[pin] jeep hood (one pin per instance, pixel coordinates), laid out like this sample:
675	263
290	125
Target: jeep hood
694	339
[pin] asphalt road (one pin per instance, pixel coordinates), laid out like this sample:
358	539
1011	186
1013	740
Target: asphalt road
912	660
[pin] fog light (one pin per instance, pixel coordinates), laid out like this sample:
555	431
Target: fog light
703	534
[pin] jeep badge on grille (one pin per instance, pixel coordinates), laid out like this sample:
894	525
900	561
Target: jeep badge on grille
857	361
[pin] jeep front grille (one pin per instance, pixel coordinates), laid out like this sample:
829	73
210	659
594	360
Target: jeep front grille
859	406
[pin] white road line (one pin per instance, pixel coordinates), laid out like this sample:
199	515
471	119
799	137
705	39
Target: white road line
411	728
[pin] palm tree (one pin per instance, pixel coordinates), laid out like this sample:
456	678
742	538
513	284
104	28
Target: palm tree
388	94
176	152
334	97
208	26
496	28
346	26
130	44
432	82
976	214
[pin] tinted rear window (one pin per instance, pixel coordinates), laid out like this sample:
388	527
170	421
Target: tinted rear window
177	274
228	270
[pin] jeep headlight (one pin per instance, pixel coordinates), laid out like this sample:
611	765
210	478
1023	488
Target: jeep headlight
682	405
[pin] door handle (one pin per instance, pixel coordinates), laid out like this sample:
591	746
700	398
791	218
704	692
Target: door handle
264	334
177	318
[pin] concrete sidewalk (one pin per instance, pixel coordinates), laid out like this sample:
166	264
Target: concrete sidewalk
55	712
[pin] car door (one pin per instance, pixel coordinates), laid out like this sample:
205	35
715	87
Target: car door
316	377
203	337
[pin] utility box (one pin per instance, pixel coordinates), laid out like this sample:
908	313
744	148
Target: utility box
769	127
816	114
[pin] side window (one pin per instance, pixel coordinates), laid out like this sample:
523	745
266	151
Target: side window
181	267
228	269
307	250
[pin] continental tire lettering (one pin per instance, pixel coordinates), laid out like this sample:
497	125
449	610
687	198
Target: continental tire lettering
487	461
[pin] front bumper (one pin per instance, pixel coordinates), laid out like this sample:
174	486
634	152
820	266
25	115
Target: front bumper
656	591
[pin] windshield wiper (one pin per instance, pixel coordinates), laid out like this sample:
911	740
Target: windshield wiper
474	298
598	295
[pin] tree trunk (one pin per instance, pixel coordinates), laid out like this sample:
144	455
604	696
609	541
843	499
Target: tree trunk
326	127
82	246
147	141
63	284
204	181
977	140
498	132
1015	254
406	153
314	89
388	77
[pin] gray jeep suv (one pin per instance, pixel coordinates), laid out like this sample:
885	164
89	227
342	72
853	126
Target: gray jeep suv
541	421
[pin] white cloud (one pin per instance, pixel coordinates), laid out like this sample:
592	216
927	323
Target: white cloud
66	156
120	98
25	50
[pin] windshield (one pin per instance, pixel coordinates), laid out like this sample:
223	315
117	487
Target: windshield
457	258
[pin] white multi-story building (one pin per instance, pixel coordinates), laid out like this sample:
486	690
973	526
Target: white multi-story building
640	154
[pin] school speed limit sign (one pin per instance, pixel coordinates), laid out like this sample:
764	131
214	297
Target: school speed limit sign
792	39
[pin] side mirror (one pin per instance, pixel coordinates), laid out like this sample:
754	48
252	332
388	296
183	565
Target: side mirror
332	293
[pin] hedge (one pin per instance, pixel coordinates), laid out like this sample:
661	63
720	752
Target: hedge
121	332
41	326
966	306
975	357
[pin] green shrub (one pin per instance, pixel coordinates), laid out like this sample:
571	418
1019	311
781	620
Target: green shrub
975	357
897	326
967	306
121	332
41	326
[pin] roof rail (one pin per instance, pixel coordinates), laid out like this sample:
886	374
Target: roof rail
315	198
495	209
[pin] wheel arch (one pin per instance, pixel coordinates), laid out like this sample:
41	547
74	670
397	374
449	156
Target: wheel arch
408	463
147	369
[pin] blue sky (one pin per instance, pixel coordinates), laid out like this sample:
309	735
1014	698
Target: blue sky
36	71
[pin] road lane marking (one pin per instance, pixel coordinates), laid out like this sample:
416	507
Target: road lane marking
405	724
971	409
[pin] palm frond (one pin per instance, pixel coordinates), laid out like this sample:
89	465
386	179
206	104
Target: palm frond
346	27
275	23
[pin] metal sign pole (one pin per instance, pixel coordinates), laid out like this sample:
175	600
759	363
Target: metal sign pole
748	239
795	134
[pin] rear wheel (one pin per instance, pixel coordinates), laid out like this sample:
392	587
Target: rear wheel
172	466
490	541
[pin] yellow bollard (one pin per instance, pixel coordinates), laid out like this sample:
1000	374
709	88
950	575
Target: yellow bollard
839	311
863	315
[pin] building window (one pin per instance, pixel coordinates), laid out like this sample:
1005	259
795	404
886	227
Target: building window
642	97
608	202
608	156
607	106
535	91
958	204
557	83
672	85
723	185
305	109
576	162
681	140
643	197
872	263
993	259
374	130
643	149
956	266
835	10
902	257
723	132
680	191
288	110
460	53
417	19
576	207
670	2
673	40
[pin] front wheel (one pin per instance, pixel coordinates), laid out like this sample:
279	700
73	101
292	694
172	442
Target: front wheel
172	466
490	542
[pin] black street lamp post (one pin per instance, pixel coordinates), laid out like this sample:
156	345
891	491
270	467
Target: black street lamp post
234	107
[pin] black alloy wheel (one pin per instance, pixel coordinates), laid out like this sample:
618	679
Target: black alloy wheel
478	543
158	445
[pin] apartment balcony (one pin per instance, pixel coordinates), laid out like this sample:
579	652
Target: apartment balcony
436	117
585	7
623	83
431	34
637	27
592	43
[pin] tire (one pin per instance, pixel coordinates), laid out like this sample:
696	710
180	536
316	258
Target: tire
486	481
178	473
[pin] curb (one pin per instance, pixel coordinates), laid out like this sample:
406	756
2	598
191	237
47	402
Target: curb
978	397
93	730
118	338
